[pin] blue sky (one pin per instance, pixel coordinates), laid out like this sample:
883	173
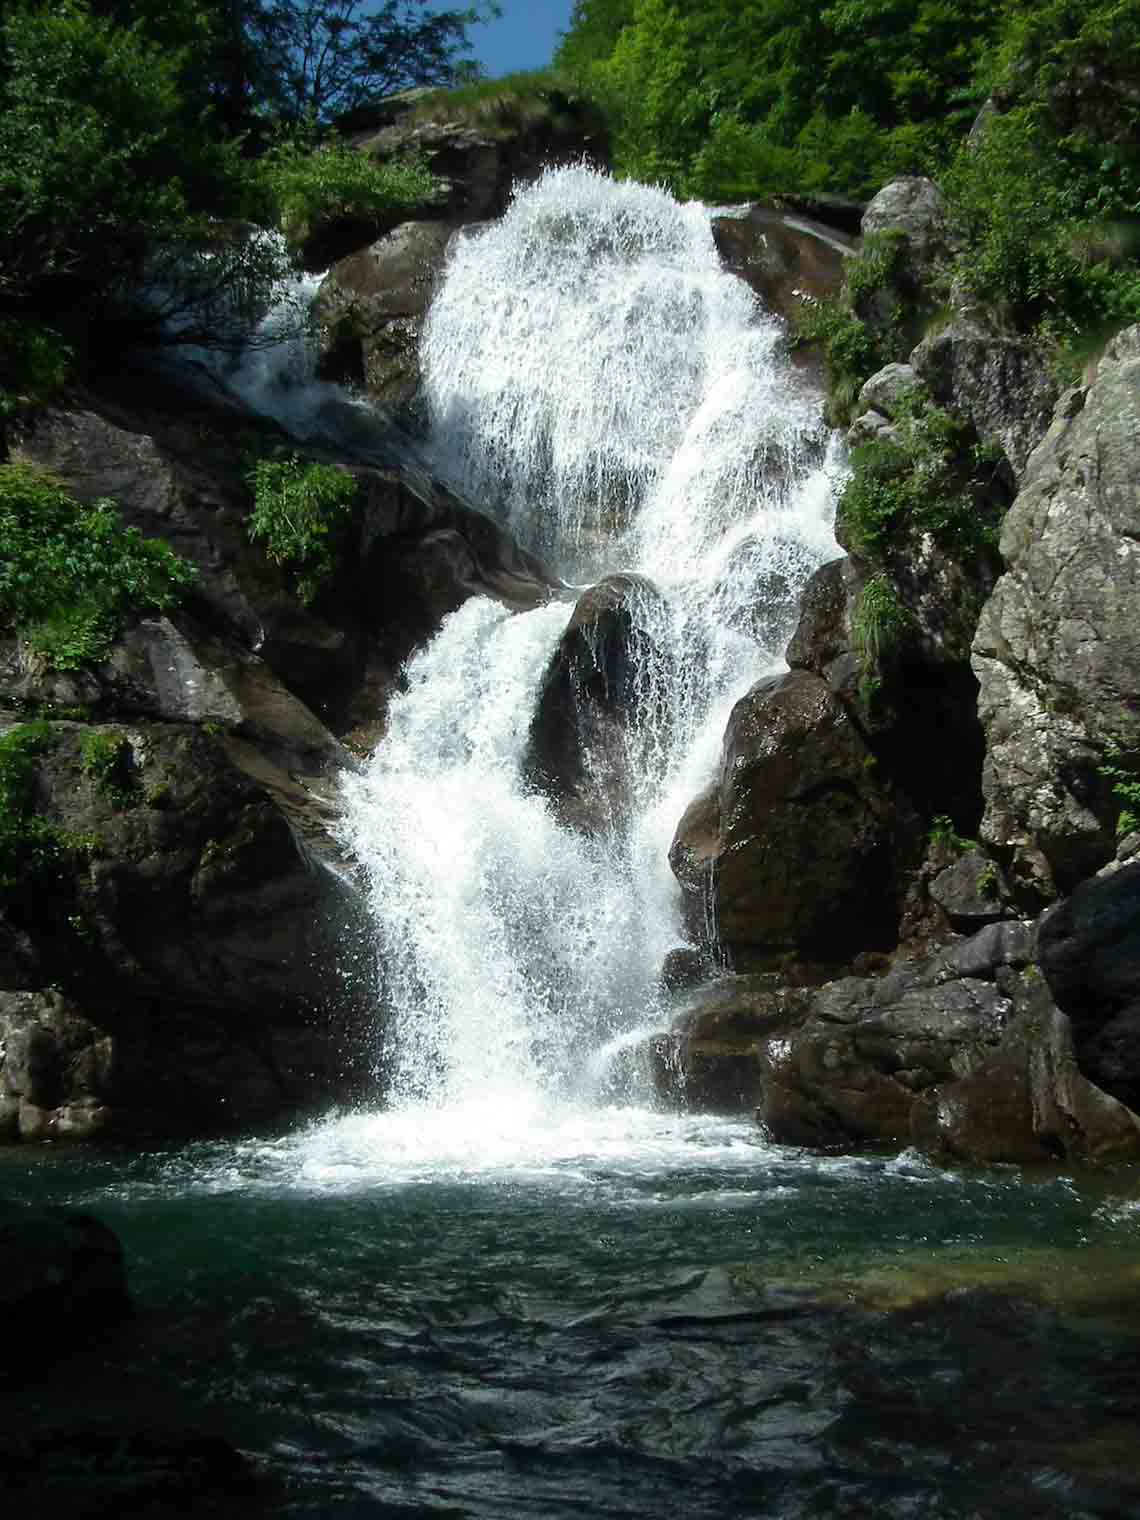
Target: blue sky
524	37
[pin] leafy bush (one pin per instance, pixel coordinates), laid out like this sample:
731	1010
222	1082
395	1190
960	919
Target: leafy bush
34	363
308	187
1124	773
931	475
71	575
299	513
106	759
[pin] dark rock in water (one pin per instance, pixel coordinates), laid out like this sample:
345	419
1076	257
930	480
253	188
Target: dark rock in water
369	310
1000	381
692	856
805	859
685	968
962	1053
601	700
1057	651
62	1283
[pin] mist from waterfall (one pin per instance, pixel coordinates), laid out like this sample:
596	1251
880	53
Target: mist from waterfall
599	384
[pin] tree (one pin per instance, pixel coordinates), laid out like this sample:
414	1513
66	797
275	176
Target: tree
313	60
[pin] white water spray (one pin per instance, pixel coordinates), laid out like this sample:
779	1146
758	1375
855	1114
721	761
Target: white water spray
596	380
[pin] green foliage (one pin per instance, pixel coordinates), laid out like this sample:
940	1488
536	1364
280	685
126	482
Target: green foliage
987	881
98	159
34	364
1123	770
299	513
930	476
730	98
71	575
506	104
106	758
31	849
856	335
307	187
879	626
943	833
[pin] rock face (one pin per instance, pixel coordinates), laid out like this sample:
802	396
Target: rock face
915	207
962	1054
788	260
1057	651
480	161
599	705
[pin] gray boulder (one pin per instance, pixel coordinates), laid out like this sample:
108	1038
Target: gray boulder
886	387
1057	651
915	206
1000	381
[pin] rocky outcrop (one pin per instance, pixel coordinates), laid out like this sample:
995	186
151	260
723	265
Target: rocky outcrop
788	260
188	935
1057	651
962	1054
914	207
482	157
600	705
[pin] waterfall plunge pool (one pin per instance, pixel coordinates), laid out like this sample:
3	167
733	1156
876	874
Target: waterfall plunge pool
612	1314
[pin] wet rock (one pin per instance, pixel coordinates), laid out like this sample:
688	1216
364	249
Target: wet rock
601	705
369	311
805	858
62	1283
1000	381
1057	652
789	260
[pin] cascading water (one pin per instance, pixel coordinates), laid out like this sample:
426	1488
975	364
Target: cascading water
596	380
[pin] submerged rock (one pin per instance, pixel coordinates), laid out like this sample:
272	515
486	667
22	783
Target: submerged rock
62	1283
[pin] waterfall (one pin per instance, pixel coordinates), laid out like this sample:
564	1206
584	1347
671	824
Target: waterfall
597	382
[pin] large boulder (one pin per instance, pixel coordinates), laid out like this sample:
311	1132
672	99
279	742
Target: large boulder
915	208
600	707
807	841
788	260
1057	651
